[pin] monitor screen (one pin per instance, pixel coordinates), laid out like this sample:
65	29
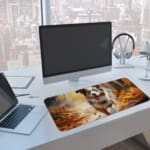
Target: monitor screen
75	47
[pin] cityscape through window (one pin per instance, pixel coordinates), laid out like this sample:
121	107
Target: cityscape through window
19	21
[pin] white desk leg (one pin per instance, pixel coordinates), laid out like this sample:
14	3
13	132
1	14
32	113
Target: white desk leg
146	136
143	139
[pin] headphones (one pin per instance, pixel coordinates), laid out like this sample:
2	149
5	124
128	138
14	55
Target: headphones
126	54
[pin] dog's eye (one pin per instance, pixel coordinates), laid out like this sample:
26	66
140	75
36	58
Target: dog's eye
102	93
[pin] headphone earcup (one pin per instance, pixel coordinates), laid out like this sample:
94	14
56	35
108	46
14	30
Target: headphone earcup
116	55
128	55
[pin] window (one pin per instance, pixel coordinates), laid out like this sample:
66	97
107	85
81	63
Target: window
19	21
19	45
131	16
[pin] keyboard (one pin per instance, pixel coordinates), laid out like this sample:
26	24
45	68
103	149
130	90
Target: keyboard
16	116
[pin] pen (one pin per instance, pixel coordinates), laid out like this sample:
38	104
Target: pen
18	95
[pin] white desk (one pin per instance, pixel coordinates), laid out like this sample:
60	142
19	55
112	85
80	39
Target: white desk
93	136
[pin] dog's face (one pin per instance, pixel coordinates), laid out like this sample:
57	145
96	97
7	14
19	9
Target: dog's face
98	97
91	92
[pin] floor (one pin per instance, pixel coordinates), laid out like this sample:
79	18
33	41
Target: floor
130	144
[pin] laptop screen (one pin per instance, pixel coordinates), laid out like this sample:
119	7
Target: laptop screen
7	97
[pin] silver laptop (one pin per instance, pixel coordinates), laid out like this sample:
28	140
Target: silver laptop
16	117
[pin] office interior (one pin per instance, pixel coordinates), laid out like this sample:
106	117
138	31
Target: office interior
20	60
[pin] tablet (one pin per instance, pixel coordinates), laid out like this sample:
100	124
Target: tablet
20	82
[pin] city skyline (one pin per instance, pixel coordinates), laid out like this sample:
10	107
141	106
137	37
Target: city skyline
19	21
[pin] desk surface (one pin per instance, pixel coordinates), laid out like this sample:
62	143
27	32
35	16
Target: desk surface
97	134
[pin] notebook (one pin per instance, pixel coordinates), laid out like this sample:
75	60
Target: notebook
85	105
16	117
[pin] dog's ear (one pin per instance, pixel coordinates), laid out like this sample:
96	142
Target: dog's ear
82	91
78	91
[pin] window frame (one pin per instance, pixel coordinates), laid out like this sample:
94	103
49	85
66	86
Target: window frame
45	12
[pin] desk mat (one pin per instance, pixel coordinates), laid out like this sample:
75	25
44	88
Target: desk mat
88	104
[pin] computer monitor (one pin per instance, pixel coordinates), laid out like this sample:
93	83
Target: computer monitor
71	51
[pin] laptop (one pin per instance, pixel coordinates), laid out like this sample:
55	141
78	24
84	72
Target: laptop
16	117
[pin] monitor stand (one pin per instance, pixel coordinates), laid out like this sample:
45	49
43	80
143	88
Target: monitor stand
80	82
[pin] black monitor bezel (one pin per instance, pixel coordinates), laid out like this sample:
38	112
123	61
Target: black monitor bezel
71	25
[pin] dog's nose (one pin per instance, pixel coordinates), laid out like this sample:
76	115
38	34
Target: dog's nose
94	93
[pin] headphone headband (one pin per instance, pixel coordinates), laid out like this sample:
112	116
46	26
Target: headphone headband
122	34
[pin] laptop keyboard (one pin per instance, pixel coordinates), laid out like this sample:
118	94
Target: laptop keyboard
15	117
